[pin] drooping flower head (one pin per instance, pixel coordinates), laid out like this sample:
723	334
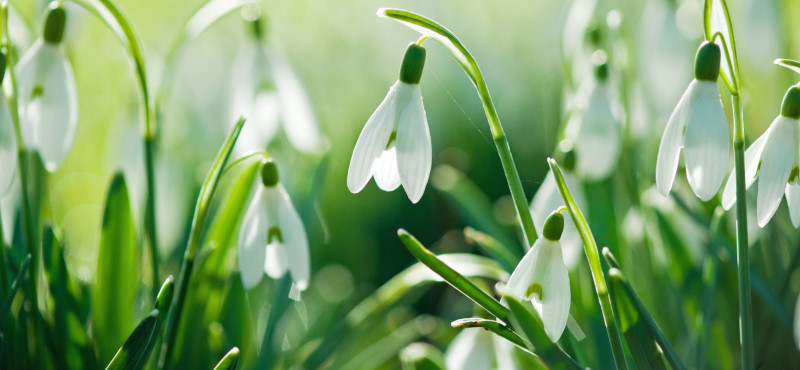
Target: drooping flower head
395	144
8	139
272	237
542	278
265	88
594	126
699	126
774	159
47	94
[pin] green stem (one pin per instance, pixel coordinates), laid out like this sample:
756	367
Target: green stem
742	253
195	237
435	31
590	247
150	210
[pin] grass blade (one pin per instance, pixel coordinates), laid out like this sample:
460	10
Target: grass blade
493	326
132	354
230	361
18	281
117	276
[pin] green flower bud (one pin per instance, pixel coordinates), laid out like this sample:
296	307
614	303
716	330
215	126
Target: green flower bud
54	24
413	61
553	226
269	173
706	62
791	103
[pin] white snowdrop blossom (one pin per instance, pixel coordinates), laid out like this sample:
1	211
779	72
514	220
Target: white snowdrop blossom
272	238
542	278
547	199
48	102
774	159
265	88
594	128
699	126
8	140
395	144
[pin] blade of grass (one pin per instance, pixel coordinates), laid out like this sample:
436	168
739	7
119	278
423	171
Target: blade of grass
18	282
669	353
198	223
492	247
131	355
592	254
230	361
493	326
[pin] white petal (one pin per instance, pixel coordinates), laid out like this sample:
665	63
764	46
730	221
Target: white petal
276	263
295	240
777	160
372	141
598	141
29	74
59	112
707	143
414	147
297	116
385	170
8	148
671	142
551	273
793	201
522	276
253	241
253	96
471	349
752	157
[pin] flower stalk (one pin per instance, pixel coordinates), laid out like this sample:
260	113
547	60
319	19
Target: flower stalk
742	253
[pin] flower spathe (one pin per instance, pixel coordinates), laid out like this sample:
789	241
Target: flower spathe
272	238
48	103
774	159
698	125
395	145
542	278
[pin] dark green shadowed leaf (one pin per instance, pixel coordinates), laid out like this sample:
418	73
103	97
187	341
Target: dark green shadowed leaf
641	343
642	312
23	270
132	354
115	290
230	361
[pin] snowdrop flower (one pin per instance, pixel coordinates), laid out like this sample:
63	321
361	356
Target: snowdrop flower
547	199
594	127
272	238
47	94
541	277
699	126
265	88
774	159
8	139
471	349
395	144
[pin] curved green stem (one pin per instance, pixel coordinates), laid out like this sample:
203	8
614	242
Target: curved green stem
435	31
592	254
742	253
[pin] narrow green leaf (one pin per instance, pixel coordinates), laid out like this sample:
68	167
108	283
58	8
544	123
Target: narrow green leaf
592	254
452	277
642	312
493	326
492	247
164	298
15	286
717	21
788	63
527	322
641	343
114	296
230	361
132	354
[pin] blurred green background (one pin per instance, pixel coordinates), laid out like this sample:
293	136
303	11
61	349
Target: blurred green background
347	58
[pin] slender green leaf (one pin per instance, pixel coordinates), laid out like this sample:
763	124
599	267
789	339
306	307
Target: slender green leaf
642	312
15	286
452	277
230	361
132	354
717	20
493	326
